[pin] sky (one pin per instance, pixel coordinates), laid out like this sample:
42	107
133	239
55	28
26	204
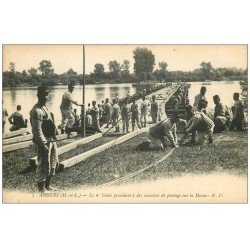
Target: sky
178	57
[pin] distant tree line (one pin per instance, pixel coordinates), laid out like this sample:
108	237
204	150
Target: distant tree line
143	70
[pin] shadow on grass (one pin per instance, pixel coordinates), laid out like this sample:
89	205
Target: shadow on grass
227	154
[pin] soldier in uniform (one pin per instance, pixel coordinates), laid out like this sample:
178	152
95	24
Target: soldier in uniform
107	112
144	109
200	96
164	131
135	115
221	115
95	117
125	116
201	123
154	109
5	115
100	111
238	113
44	130
66	110
162	134
115	115
16	119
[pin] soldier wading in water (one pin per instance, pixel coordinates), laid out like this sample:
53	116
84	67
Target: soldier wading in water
44	130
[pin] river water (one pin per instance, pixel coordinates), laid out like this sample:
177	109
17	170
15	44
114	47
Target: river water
26	97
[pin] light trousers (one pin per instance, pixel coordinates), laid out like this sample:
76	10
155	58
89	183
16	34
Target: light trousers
47	161
67	118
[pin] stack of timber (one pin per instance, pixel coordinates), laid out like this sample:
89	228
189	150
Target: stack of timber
25	141
70	146
22	131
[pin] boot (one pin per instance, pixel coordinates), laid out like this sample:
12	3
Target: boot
41	186
210	139
48	186
68	130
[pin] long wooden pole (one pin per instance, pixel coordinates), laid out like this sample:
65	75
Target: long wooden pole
83	94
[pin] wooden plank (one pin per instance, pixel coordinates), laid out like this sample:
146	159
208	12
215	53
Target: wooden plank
70	146
15	133
130	135
79	158
17	139
16	146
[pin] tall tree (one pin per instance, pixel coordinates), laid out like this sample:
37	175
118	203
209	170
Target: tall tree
163	70
12	67
125	69
144	63
99	71
126	66
46	68
32	72
115	68
163	66
206	69
71	72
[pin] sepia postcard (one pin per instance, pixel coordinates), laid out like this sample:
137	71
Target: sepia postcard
139	123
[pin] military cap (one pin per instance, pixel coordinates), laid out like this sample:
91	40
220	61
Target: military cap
216	97
42	91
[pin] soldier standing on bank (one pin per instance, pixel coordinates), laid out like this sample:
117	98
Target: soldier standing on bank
95	117
68	119
238	114
44	130
154	109
4	116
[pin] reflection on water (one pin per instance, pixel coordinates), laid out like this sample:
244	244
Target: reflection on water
224	89
26	97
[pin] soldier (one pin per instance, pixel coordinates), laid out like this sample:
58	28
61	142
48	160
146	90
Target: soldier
144	109
162	132
200	96
44	130
154	109
135	115
221	115
115	115
66	110
17	120
107	112
100	111
5	115
77	119
125	116
202	124
238	113
95	117
117	99
89	117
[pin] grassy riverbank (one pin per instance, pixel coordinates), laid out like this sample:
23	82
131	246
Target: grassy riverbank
228	154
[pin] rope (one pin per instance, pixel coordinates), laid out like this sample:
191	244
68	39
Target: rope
137	172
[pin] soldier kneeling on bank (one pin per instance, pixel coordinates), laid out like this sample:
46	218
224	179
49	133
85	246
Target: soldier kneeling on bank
44	131
162	134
